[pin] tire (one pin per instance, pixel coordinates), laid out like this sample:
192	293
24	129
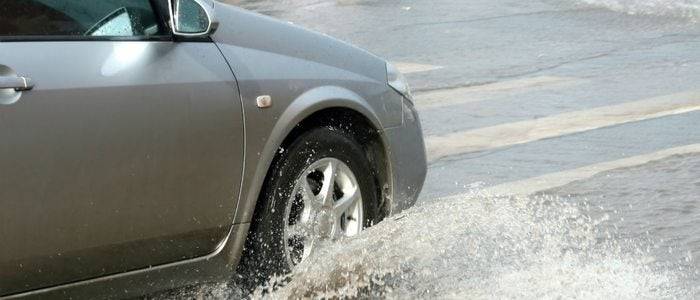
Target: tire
269	251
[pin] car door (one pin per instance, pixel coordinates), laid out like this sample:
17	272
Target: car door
120	148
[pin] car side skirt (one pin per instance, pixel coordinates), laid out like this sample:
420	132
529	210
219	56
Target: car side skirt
216	267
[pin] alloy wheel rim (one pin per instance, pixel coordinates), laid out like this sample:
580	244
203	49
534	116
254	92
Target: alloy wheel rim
326	204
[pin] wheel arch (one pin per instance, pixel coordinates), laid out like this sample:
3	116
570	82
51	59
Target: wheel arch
324	106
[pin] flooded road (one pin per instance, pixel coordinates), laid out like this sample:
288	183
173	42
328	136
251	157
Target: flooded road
563	139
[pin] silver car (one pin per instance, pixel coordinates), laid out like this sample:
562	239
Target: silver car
151	144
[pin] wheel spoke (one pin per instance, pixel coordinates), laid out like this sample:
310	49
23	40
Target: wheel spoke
311	201
307	251
328	183
306	191
346	202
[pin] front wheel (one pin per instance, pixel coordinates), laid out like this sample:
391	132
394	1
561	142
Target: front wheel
321	188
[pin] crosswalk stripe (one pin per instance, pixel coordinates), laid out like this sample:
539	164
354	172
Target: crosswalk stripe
558	125
553	180
407	68
447	97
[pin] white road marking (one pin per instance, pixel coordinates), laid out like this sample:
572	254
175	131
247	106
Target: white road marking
406	68
446	97
558	125
554	180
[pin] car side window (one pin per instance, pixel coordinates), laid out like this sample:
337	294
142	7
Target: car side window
78	19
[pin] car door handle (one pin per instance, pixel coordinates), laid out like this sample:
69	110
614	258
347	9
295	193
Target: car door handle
18	83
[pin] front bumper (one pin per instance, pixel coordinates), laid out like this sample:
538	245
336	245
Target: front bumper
407	159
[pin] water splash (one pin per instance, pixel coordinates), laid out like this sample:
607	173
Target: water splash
689	9
474	246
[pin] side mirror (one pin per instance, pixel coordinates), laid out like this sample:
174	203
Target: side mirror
192	18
